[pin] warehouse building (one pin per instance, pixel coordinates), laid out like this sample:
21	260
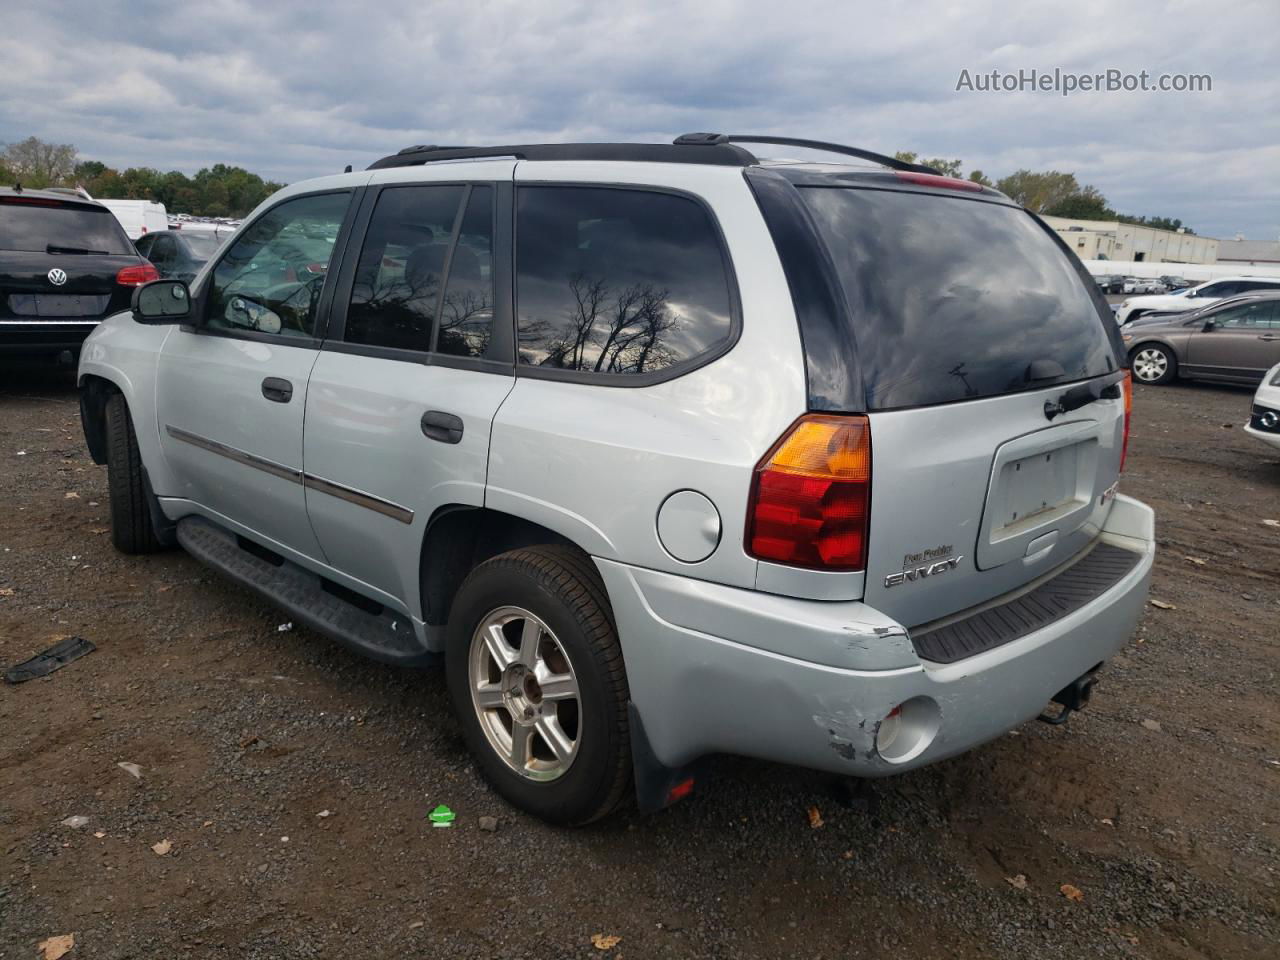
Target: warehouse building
1113	240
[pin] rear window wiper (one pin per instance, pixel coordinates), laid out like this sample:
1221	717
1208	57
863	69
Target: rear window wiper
54	248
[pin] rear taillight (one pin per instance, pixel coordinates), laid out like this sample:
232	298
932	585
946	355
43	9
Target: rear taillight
1126	388
938	180
811	495
137	276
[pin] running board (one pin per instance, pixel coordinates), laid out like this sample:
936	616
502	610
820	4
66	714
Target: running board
387	636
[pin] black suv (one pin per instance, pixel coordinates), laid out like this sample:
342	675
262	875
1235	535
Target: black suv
65	264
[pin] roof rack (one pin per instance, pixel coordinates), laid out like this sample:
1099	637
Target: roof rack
717	149
718	139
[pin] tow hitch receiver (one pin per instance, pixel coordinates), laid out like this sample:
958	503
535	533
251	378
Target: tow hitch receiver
1072	697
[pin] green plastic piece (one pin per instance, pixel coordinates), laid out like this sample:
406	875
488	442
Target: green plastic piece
442	816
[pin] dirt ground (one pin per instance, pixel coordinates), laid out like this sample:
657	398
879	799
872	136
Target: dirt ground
291	780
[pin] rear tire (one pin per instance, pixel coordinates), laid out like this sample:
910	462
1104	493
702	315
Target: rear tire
535	671
1153	363
130	500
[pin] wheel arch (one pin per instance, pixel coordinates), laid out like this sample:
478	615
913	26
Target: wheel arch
460	537
95	391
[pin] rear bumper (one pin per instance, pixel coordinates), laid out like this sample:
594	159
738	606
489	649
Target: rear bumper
44	336
715	669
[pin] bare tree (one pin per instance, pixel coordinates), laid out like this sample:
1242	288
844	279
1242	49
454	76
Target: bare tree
35	163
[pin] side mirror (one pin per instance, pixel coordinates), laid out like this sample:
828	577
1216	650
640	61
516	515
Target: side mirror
161	302
1209	325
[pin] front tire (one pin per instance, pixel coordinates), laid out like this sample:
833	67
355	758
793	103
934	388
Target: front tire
535	671
130	500
1153	363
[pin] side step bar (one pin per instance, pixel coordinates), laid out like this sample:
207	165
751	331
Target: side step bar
385	635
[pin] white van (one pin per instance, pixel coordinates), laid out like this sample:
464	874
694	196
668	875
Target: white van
138	217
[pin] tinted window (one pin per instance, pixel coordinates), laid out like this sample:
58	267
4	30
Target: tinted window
617	281
466	313
953	299
1248	285
143	245
1228	288
1248	316
54	227
396	290
270	279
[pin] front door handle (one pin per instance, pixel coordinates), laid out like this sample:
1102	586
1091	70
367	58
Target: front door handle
277	390
1269	337
441	426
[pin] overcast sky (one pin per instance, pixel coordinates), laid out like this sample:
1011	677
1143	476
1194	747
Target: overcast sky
293	90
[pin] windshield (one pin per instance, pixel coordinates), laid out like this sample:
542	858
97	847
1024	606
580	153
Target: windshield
956	299
53	227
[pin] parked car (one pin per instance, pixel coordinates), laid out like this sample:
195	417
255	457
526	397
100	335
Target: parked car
178	254
1110	283
1264	418
588	420
1194	297
65	263
1233	341
1142	285
1175	283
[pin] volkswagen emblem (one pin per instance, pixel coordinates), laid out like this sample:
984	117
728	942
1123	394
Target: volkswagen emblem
57	276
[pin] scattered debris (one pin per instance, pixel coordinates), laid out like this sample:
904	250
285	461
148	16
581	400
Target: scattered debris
1153	725
99	834
1108	821
284	839
815	818
324	813
489	824
77	822
207	823
1018	882
71	495
6	591
161	848
99	530
1198	561
417	924
1075	894
22	453
847	855
442	816
56	657
132	769
56	947
249	741
1162	605
1271	523
285	627
602	942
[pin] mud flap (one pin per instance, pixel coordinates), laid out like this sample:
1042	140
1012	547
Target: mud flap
657	785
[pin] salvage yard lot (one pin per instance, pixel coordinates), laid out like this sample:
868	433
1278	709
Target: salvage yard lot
1146	827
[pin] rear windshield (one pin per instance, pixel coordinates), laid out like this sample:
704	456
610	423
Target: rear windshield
954	299
203	245
65	228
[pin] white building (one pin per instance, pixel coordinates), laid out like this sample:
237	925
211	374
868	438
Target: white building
1253	253
1113	240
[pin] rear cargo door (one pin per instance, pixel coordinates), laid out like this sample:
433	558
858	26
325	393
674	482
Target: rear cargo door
974	328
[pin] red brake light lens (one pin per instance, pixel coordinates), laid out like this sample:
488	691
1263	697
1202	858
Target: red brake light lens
137	276
937	180
1126	388
811	496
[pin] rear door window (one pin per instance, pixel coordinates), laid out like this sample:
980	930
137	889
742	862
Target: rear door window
50	226
616	283
955	299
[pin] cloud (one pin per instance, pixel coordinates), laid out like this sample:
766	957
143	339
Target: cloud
297	89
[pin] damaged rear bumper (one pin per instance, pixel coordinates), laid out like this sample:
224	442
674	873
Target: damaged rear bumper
715	669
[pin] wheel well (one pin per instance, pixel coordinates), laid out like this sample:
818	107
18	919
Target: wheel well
460	538
94	394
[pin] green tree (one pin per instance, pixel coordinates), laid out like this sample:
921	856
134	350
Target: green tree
1038	191
39	164
1086	204
977	176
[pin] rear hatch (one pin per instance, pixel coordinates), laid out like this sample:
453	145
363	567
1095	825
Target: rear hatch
59	261
971	324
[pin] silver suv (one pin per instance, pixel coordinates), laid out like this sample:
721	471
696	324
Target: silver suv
667	450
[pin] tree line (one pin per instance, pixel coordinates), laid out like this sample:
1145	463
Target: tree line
1050	192
217	191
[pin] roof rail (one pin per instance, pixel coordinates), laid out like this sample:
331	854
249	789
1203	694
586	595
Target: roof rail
719	139
717	154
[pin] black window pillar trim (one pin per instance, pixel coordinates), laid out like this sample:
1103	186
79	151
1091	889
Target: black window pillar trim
832	372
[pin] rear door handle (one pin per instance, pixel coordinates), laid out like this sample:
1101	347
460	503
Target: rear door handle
1269	337
441	426
277	390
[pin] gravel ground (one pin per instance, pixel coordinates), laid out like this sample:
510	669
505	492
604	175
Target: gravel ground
1158	805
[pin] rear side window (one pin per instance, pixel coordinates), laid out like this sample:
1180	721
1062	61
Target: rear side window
41	226
955	299
618	282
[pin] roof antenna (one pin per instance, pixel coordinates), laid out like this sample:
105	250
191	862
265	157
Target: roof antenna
347	169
